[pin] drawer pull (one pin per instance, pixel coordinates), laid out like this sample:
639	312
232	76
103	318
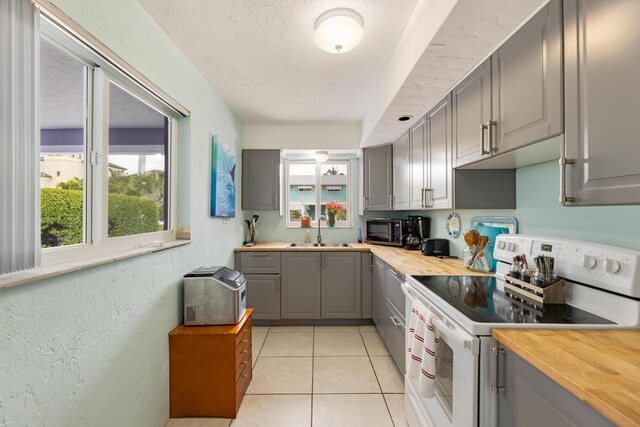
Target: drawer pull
261	254
245	362
245	375
246	351
245	341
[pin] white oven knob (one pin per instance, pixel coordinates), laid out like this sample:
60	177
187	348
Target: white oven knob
511	247
589	262
611	266
501	245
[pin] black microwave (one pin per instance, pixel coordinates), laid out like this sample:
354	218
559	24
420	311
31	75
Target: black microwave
385	231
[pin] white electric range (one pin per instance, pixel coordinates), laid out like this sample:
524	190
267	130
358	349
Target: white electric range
602	291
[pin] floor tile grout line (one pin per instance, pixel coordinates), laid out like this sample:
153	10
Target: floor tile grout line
379	385
313	368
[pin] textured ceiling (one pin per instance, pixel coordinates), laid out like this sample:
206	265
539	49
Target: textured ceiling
260	57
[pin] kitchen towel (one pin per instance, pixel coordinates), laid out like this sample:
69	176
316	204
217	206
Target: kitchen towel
421	345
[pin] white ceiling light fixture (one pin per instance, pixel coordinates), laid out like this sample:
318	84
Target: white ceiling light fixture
321	156
339	30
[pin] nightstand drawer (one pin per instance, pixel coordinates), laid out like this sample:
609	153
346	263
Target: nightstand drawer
244	336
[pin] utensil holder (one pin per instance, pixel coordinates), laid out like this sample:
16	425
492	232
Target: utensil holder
534	296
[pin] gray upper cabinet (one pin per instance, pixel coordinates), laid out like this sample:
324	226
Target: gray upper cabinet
261	180
341	285
378	177
602	98
418	164
527	83
471	113
301	285
263	295
400	197
532	399
438	194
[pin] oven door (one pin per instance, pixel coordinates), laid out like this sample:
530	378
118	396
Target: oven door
455	401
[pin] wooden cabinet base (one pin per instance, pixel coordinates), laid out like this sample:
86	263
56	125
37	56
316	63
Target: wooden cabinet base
210	368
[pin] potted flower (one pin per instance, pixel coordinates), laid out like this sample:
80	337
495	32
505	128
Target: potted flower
334	209
305	219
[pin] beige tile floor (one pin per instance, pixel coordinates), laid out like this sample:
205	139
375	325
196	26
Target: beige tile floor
317	376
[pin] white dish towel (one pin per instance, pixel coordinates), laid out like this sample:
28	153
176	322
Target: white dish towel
421	345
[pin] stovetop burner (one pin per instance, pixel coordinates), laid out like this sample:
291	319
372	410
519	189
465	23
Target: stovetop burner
481	300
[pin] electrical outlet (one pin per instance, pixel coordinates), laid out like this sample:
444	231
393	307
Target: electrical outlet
225	220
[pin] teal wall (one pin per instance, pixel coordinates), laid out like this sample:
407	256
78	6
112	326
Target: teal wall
539	212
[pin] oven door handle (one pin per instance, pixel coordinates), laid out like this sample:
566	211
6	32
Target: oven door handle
446	329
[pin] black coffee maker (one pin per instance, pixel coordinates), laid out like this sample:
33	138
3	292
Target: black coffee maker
417	231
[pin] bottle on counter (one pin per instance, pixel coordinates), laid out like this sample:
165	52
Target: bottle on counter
307	238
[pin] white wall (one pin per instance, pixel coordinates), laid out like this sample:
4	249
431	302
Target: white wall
302	137
91	347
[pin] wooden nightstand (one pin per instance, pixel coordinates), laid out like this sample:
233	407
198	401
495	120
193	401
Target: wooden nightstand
210	368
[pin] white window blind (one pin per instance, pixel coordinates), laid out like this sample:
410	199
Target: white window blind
19	136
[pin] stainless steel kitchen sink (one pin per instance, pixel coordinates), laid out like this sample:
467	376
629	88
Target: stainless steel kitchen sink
316	245
303	245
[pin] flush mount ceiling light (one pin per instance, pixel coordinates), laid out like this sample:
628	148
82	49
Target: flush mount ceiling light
405	118
321	156
339	30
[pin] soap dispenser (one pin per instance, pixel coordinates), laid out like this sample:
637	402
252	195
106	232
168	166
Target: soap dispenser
307	238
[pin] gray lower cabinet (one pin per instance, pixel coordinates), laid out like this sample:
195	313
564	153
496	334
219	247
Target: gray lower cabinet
378	177
262	271
395	336
367	284
439	191
341	285
393	291
527	82
301	285
471	112
378	281
261	180
602	99
532	399
400	197
263	295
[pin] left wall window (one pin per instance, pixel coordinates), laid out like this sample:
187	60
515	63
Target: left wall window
106	155
63	147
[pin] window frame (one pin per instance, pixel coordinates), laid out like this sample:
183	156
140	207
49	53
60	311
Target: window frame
319	165
99	74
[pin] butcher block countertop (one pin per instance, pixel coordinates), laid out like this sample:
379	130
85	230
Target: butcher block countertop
600	367
404	261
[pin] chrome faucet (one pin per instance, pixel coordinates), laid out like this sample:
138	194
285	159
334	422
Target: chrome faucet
320	235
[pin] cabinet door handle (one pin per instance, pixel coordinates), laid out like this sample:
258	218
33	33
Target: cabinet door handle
429	191
495	352
395	321
364	202
493	125
277	204
483	127
318	259
371	261
278	285
564	199
422	204
391	201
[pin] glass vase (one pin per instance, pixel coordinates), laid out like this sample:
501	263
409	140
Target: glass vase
331	221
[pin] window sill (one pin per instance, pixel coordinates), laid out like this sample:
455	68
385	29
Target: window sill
39	273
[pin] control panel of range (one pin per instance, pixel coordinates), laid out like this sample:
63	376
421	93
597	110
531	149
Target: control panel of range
606	267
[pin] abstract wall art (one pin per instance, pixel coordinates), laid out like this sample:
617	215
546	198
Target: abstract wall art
223	180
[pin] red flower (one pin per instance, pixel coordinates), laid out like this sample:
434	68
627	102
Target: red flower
334	208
